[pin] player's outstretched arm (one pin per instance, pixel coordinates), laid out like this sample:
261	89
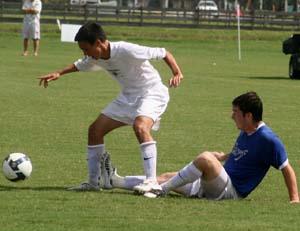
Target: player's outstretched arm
291	183
44	80
177	74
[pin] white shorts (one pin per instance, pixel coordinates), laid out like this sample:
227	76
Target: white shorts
126	108
218	189
31	30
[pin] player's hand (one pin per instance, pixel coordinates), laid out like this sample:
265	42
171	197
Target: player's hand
44	80
175	81
219	155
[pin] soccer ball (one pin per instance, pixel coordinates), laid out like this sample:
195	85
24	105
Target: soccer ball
17	166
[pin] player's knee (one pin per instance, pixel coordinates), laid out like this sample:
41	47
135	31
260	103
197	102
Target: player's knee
204	160
204	155
140	128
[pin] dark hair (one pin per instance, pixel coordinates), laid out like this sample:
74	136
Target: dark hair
90	32
250	102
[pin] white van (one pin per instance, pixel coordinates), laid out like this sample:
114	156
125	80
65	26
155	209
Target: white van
108	3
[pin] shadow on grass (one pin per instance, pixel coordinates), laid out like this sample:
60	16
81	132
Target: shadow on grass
39	188
56	188
61	188
129	192
172	195
268	77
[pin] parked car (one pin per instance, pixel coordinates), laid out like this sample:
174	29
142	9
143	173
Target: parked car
78	2
108	3
94	2
208	5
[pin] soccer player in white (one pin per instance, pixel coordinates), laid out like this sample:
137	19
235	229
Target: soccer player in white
143	99
31	24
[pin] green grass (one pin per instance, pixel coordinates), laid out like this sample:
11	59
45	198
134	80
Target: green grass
50	125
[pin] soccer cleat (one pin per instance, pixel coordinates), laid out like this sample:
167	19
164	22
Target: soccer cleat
147	186
83	187
155	194
116	178
107	171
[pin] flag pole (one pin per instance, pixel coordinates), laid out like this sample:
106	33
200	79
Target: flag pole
238	14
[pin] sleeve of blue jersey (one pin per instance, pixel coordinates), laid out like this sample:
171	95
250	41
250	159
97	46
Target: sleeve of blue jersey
278	155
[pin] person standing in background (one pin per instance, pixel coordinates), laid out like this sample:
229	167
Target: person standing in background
31	24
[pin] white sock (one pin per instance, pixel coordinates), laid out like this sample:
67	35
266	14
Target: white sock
93	159
127	182
149	155
186	175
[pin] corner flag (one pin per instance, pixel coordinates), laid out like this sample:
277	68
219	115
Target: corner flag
238	14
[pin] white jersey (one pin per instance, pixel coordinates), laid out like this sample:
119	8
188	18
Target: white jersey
36	5
129	65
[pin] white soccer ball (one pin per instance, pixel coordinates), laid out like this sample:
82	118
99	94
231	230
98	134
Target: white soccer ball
17	166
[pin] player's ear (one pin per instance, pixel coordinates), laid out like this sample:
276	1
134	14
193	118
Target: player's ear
98	42
249	116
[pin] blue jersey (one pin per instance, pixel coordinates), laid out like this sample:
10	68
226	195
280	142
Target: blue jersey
251	158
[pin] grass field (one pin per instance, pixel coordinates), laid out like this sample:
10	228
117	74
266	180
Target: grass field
50	125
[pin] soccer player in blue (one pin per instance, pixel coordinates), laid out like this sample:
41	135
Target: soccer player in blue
256	149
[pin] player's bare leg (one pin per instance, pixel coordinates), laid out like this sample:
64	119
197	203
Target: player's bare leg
25	47
142	128
165	177
36	45
209	165
100	127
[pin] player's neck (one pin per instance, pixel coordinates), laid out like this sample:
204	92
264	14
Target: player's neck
105	50
251	128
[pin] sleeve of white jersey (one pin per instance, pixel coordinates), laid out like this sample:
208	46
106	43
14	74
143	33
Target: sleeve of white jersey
143	52
86	64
